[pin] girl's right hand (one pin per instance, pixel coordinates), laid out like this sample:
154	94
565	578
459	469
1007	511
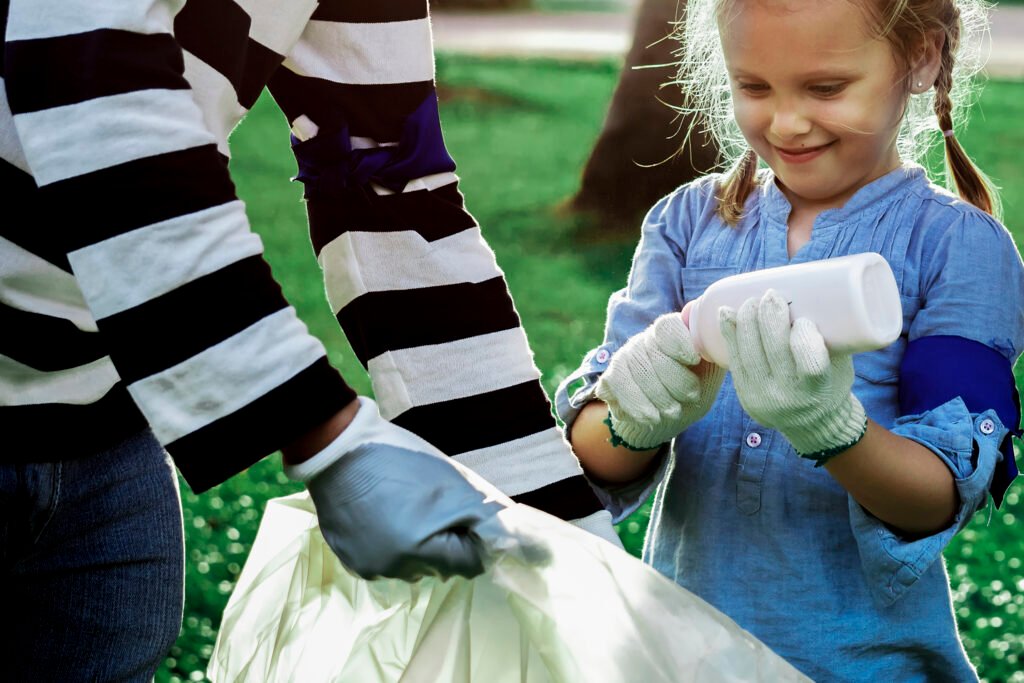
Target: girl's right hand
657	385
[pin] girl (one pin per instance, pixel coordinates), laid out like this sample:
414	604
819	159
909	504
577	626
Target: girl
809	495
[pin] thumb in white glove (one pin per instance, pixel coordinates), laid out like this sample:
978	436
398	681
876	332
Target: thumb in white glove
656	385
391	505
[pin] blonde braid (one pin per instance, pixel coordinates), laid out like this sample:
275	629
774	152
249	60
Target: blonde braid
970	182
736	187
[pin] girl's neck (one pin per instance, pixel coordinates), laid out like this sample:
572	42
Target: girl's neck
798	229
804	207
802	214
803	211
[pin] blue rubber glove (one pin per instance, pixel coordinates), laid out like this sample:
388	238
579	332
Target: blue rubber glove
391	505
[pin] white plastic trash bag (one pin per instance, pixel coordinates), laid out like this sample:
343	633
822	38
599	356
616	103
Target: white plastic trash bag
556	605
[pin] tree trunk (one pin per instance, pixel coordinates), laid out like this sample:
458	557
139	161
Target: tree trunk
637	158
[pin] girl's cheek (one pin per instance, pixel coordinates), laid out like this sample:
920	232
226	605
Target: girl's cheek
845	114
745	113
749	126
859	106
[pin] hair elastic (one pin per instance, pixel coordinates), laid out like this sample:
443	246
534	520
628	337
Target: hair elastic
947	133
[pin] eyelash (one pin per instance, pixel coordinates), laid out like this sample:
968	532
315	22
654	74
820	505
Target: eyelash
829	90
755	88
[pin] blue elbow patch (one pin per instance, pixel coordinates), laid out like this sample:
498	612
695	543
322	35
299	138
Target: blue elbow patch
328	164
939	368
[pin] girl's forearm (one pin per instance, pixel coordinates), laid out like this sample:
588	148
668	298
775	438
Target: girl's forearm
589	439
897	480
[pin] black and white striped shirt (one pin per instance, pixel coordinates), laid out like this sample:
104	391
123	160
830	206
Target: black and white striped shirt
129	275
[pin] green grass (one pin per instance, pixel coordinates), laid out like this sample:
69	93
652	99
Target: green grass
584	5
520	132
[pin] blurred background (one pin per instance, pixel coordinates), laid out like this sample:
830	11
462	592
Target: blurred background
561	145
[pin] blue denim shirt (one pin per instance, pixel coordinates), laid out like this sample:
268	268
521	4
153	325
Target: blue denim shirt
738	517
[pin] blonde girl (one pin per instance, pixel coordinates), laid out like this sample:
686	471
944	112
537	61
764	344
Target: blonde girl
809	495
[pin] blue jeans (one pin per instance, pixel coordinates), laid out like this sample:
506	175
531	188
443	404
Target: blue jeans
91	565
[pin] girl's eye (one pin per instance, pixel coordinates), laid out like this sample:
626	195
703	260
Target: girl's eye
753	88
827	89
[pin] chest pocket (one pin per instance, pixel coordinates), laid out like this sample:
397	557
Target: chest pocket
697	279
883	366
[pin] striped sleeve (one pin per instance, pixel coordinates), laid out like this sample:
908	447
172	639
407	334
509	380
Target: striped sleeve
412	281
135	196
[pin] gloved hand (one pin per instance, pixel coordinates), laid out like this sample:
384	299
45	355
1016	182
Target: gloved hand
656	385
391	505
786	379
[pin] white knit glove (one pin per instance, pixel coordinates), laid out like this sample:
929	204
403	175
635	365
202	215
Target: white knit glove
786	379
656	385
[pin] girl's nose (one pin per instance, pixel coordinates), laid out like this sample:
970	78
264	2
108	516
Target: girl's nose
788	123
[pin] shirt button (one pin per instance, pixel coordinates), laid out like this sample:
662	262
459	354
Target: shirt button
987	426
753	439
602	356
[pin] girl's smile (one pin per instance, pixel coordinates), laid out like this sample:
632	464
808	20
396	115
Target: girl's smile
802	154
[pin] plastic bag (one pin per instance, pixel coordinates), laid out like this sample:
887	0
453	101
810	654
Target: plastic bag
556	605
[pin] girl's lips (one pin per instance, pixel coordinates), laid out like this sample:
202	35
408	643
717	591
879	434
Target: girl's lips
801	155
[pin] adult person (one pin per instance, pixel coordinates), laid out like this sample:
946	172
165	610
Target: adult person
139	314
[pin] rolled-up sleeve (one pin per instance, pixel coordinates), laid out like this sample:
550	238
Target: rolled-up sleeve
969	446
576	390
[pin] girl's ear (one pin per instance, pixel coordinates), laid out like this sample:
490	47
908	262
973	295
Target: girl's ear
927	61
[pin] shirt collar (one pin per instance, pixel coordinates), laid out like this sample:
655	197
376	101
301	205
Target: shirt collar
873	197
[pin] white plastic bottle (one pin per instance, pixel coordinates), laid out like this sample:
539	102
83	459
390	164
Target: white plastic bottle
853	300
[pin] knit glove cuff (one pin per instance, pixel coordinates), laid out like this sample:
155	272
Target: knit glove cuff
824	436
656	386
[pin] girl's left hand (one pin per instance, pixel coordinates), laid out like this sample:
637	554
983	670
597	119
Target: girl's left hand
786	379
